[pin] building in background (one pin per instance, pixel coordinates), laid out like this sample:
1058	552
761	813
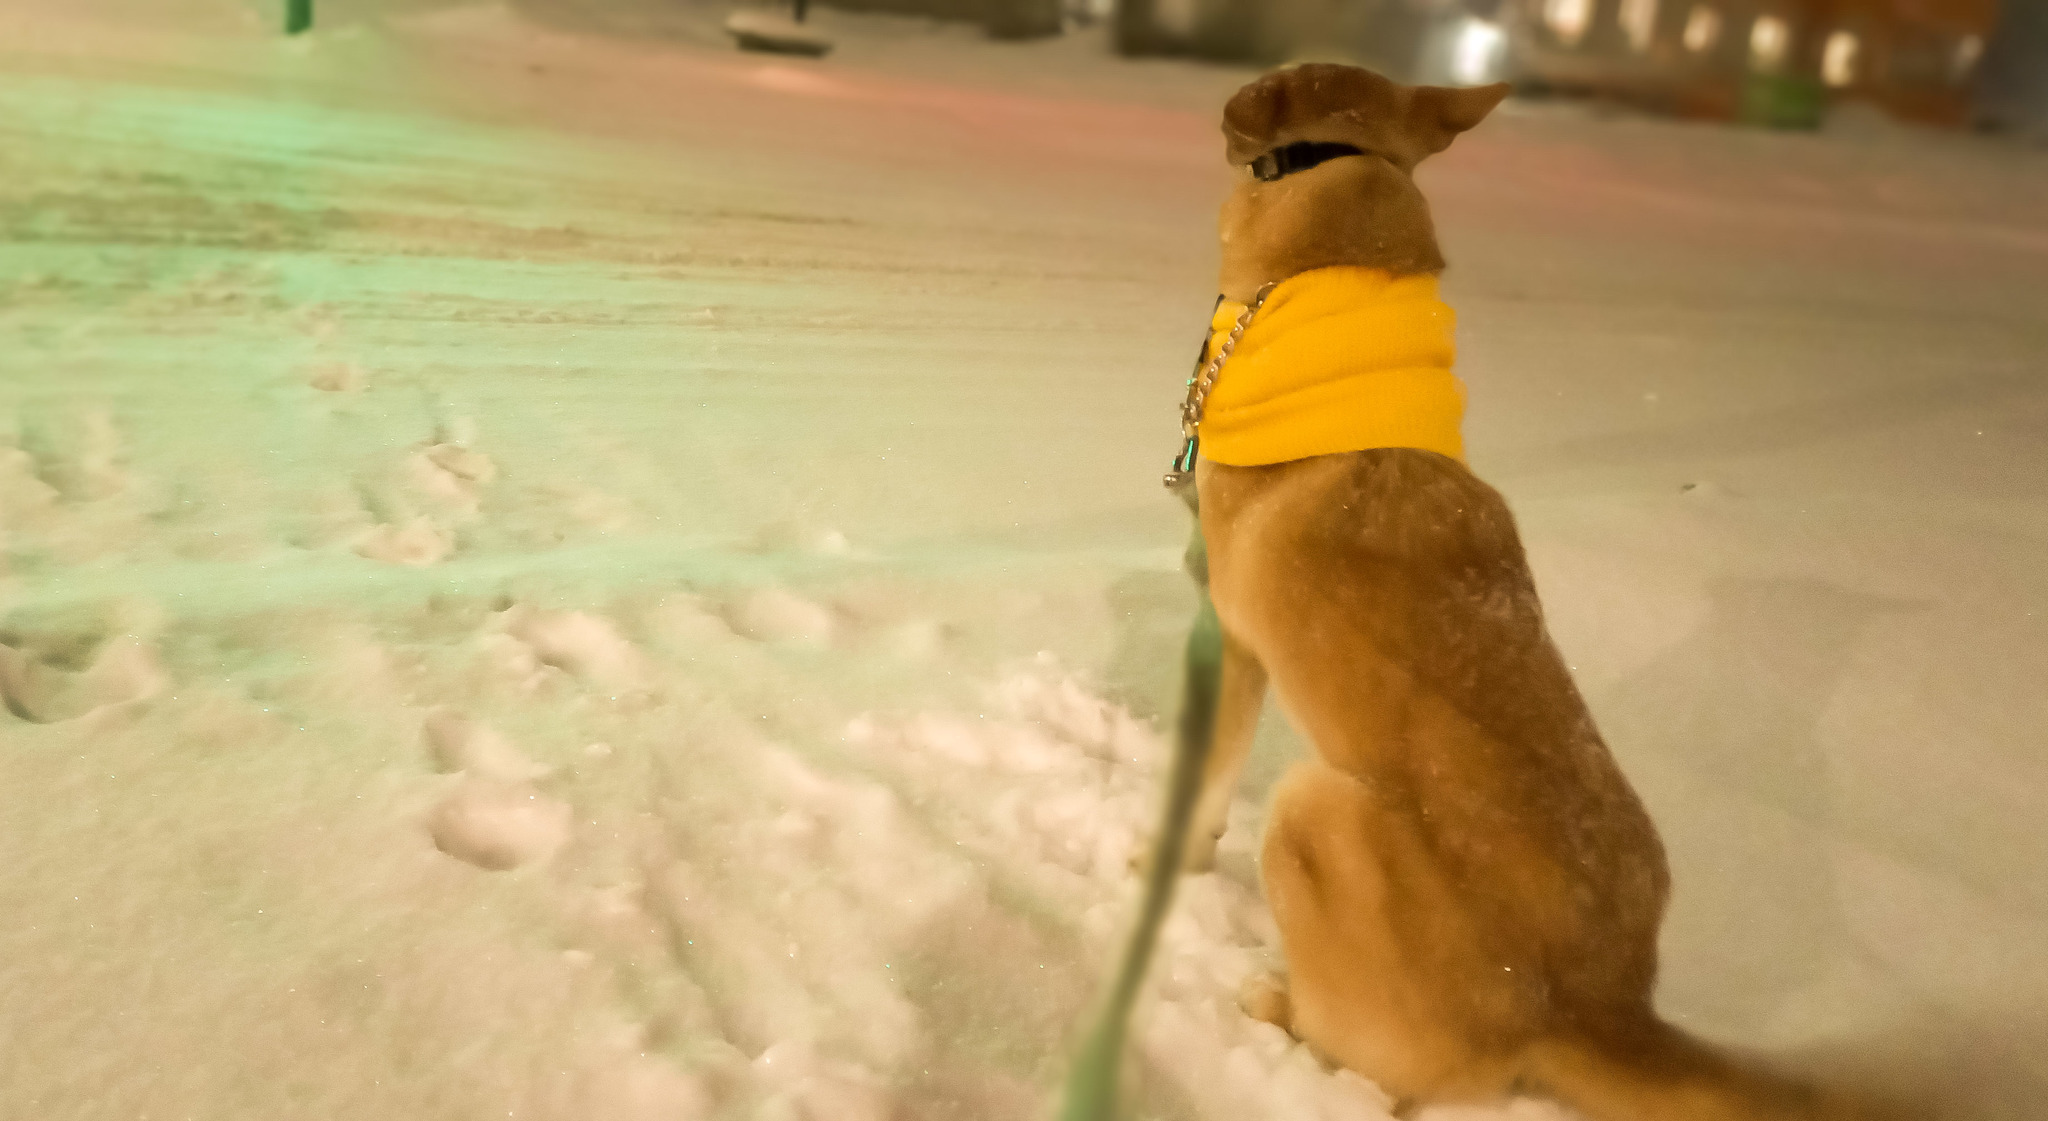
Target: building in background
2013	91
1004	19
1770	61
1773	61
1418	40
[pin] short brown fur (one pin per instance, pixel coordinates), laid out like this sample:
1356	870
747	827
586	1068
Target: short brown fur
1467	889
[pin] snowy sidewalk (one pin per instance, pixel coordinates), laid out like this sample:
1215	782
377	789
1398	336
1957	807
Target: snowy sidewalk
573	577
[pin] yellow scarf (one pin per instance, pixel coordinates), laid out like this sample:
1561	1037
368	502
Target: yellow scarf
1337	359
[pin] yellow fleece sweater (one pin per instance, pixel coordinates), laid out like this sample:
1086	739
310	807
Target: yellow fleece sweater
1337	359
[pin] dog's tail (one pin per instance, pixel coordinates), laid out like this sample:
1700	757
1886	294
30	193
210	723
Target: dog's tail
1659	1073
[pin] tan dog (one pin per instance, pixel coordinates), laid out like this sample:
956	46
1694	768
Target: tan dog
1468	891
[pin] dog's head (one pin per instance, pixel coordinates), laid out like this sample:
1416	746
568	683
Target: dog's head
1306	201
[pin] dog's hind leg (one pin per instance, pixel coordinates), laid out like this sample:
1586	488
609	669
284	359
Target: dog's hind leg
1263	997
1381	959
1240	694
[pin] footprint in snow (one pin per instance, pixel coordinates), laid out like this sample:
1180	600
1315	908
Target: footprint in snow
495	818
585	646
452	475
418	543
81	461
498	826
335	377
778	615
122	672
23	493
457	743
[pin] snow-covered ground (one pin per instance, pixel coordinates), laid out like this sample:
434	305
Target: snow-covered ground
549	569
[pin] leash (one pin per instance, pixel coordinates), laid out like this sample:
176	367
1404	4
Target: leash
1182	473
1091	1090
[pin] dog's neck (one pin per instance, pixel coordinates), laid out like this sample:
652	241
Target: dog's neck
1337	359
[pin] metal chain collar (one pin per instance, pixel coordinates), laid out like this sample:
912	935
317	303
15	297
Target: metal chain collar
1199	387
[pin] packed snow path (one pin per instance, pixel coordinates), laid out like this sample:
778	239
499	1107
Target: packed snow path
551	570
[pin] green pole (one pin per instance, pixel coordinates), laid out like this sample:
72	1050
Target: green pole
298	16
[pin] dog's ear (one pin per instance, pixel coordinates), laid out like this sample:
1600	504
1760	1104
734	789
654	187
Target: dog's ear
1437	114
1312	101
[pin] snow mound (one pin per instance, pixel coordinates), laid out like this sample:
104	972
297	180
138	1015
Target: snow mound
417	544
123	672
779	615
458	743
1065	784
498	826
588	647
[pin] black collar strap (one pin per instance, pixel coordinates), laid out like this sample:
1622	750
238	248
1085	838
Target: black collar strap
1299	157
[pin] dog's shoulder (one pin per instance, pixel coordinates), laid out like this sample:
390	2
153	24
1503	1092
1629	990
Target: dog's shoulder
1383	513
1418	506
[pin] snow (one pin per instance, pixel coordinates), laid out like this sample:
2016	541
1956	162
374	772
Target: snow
552	569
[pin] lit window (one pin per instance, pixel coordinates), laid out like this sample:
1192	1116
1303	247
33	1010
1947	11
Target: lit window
1639	20
1968	51
1702	29
1838	59
1770	39
1568	19
1475	53
1175	17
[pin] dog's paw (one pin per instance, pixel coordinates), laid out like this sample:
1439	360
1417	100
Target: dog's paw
1200	854
1263	996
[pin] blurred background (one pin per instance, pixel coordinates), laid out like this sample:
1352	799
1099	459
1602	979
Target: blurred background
1959	62
1766	63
